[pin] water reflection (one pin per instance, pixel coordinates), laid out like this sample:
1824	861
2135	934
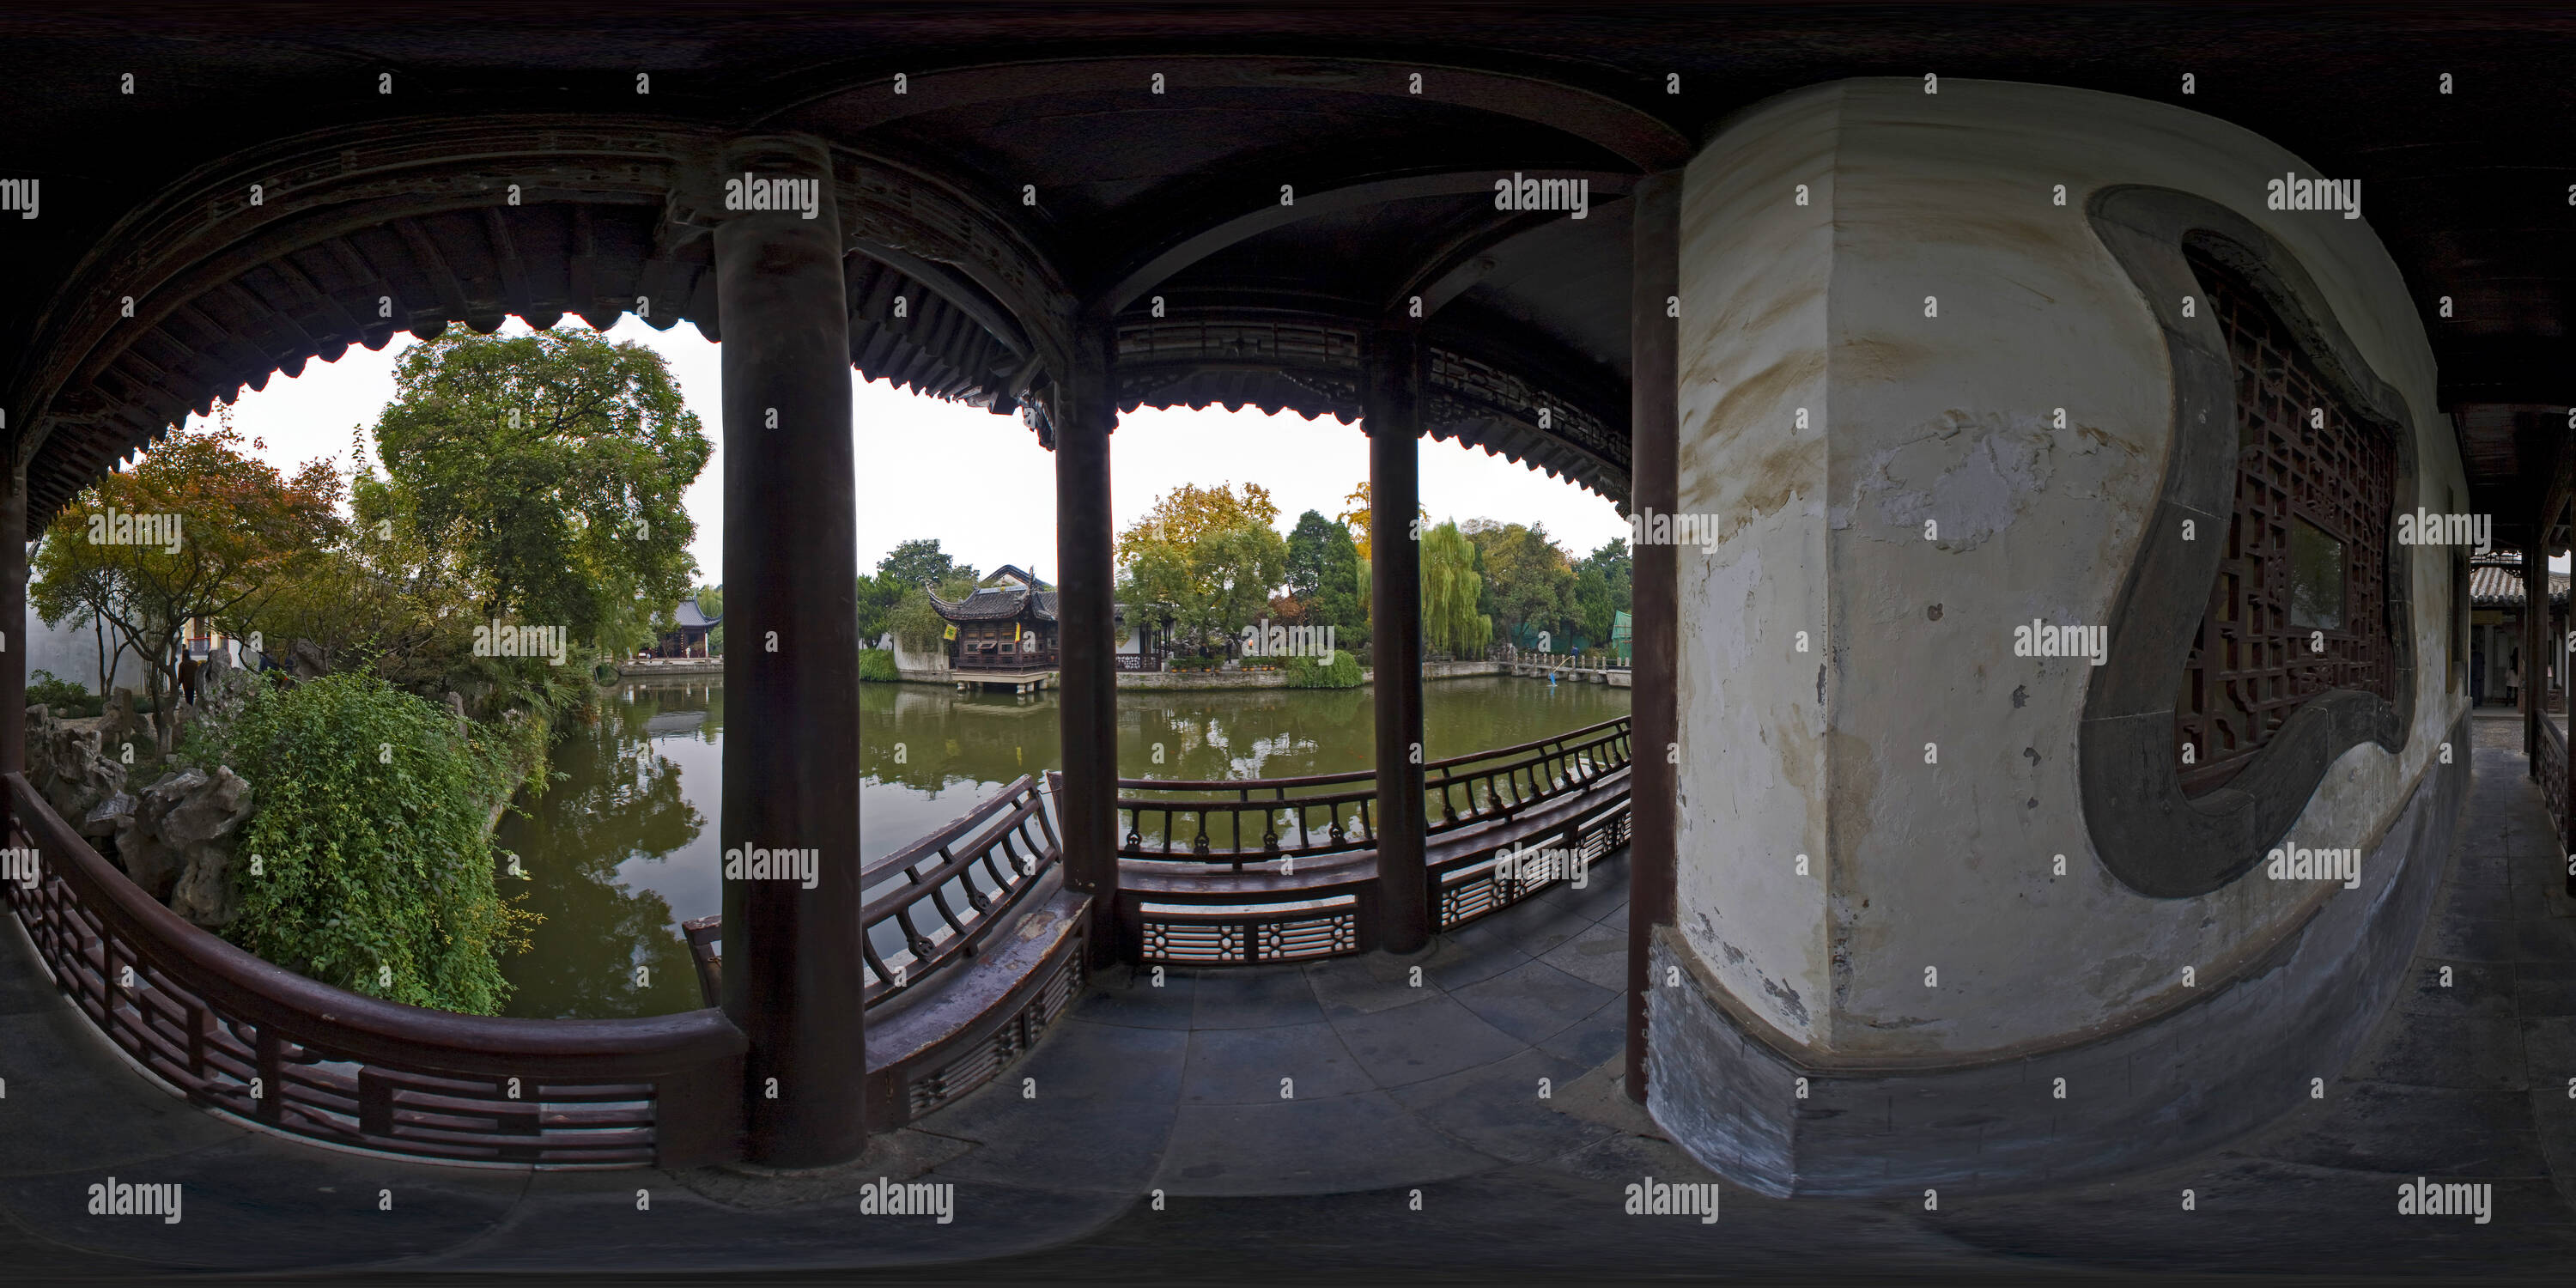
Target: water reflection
623	846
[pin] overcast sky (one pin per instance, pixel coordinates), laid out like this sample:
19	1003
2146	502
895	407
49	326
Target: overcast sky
978	482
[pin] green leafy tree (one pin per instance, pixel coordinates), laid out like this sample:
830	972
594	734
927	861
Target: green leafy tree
545	472
1533	582
920	562
1450	622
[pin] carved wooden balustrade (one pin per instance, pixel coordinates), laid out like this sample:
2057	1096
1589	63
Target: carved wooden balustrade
1279	869
231	1032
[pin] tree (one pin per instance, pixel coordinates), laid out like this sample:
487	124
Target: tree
919	562
1603	588
1207	559
196	529
915	622
1188	513
1532	580
546	472
1309	552
878	596
1450	622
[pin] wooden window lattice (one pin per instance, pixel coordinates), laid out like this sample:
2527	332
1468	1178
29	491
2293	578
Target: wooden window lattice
2250	666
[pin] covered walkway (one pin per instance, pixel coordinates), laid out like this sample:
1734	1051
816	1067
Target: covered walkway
1391	1089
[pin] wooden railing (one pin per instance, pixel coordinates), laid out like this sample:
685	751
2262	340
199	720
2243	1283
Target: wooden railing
235	1033
937	900
1257	820
1236	873
2552	772
1031	660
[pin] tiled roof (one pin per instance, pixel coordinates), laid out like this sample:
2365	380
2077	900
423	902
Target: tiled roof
690	615
2495	581
995	604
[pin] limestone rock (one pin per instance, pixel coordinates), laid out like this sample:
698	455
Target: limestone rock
66	764
223	689
307	660
176	842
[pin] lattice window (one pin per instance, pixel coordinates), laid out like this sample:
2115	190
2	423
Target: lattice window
2307	550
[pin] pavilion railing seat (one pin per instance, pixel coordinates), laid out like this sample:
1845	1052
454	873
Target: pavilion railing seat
233	1033
1244	871
977	910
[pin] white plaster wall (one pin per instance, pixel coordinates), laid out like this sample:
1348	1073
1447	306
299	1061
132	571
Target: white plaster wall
1949	419
71	653
1754	271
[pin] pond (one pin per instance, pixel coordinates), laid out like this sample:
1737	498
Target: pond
623	847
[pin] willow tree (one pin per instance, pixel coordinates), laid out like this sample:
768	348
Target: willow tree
1450	584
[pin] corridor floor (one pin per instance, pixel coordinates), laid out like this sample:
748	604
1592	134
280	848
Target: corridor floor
1343	1118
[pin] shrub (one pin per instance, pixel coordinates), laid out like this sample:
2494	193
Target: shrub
66	698
376	872
1196	663
1340	671
876	666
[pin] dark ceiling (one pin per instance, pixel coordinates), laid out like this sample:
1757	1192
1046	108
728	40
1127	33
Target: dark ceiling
2471	190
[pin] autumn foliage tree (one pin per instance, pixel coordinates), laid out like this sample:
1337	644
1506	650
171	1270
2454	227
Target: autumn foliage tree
221	533
1204	560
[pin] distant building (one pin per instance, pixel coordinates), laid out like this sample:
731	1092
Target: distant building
689	637
2496	665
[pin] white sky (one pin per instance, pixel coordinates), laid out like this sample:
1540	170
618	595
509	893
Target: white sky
978	482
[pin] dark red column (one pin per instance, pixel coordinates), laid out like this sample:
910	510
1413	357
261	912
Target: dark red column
1654	429
1087	674
1392	415
793	971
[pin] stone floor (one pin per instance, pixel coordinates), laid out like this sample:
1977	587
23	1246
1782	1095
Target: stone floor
1338	1118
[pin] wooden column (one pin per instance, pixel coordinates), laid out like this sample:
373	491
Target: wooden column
13	613
2535	618
1392	415
1654	437
793	970
1086	638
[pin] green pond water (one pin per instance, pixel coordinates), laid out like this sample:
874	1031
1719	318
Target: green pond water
624	847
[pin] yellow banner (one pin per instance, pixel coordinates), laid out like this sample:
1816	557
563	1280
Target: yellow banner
951	632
